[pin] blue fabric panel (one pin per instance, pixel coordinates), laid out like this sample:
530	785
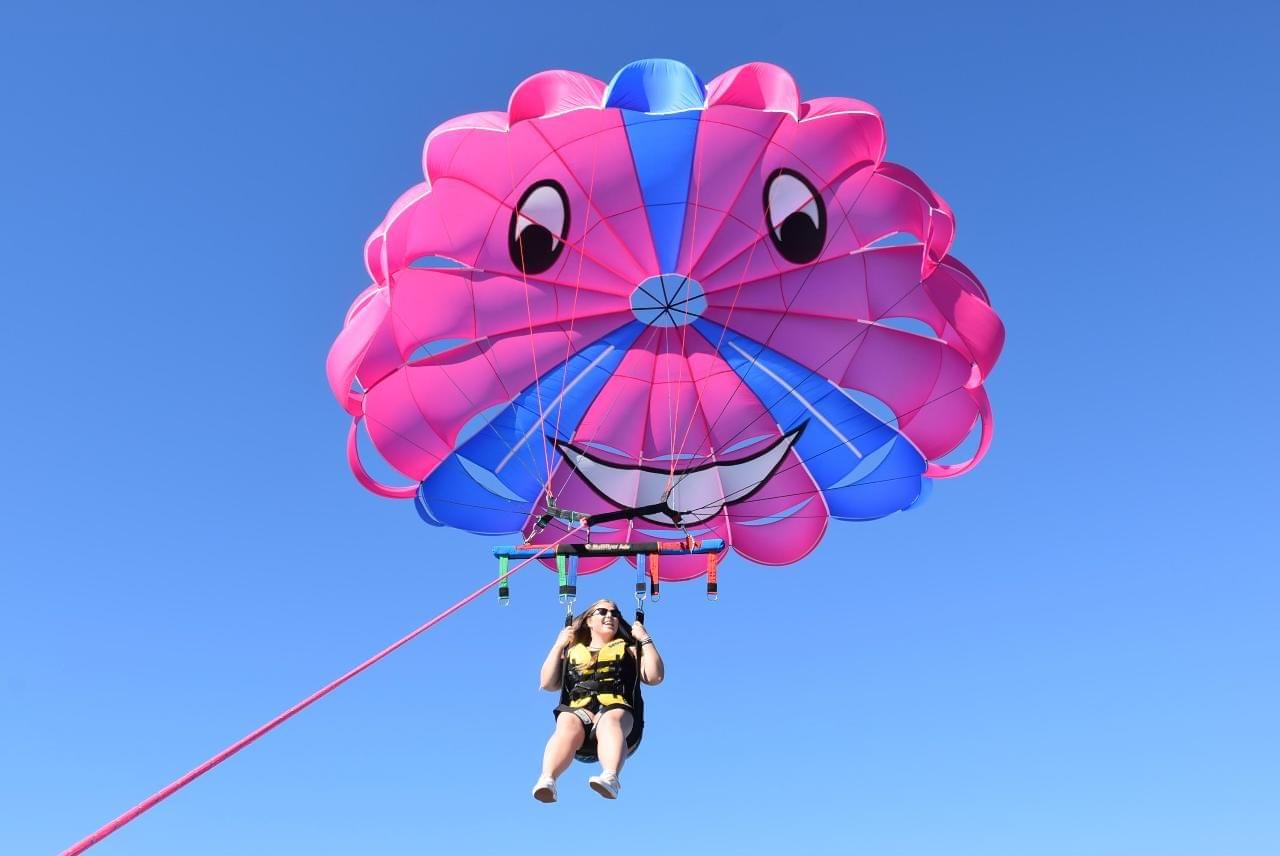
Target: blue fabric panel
662	148
491	483
885	473
424	513
656	86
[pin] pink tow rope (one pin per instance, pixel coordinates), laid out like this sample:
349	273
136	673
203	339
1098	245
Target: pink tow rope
90	840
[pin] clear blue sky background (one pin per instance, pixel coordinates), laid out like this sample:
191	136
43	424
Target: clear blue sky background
1071	651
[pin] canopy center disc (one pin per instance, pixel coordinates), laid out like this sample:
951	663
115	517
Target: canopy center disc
668	300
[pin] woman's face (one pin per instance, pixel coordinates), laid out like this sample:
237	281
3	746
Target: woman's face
602	619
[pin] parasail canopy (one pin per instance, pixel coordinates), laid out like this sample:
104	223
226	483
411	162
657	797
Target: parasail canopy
708	310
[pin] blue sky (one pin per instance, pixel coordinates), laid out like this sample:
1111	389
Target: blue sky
1072	650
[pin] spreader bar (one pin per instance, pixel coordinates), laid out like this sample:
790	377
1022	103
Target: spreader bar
626	548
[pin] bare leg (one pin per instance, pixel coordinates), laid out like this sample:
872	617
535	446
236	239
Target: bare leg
566	740
612	729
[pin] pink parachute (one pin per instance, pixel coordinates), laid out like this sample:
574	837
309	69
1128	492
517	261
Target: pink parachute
691	309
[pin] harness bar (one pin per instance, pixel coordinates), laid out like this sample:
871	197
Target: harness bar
626	548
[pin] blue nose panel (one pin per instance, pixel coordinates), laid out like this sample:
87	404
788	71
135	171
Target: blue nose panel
668	300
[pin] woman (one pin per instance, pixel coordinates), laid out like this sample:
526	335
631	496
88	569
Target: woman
597	663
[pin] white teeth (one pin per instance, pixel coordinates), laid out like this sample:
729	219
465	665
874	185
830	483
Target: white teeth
698	492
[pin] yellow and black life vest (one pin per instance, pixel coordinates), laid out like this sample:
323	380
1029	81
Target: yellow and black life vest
607	676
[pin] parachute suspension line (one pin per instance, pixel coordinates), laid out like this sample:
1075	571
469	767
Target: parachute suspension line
662	508
353	450
759	239
644	424
712	445
552	510
639	512
470	275
733	305
408	492
553	467
678	449
176	785
601	219
963	467
813	371
525	278
938	471
737	386
577	288
533	347
986	429
537	373
821	188
444	369
724	329
630	514
467	398
866	483
932	470
673	401
576	518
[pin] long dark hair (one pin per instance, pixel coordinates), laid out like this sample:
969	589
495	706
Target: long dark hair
582	633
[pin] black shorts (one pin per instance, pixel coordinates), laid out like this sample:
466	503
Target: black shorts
587	751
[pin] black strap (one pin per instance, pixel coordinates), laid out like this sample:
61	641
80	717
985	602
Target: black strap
641	511
610	685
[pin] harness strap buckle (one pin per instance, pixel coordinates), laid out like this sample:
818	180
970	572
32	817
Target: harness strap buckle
504	590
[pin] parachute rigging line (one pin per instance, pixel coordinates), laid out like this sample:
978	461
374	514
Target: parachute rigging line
555	513
176	785
757	240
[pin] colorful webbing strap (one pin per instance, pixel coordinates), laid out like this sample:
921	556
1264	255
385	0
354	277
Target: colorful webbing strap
504	591
565	566
571	579
653	576
713	589
641	591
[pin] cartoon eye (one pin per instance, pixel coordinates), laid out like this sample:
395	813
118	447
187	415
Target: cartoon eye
538	227
797	218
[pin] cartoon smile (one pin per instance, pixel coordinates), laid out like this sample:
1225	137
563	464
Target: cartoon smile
692	495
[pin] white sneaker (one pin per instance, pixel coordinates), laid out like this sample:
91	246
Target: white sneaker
606	786
545	790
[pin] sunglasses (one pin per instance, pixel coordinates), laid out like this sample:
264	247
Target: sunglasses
602	612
